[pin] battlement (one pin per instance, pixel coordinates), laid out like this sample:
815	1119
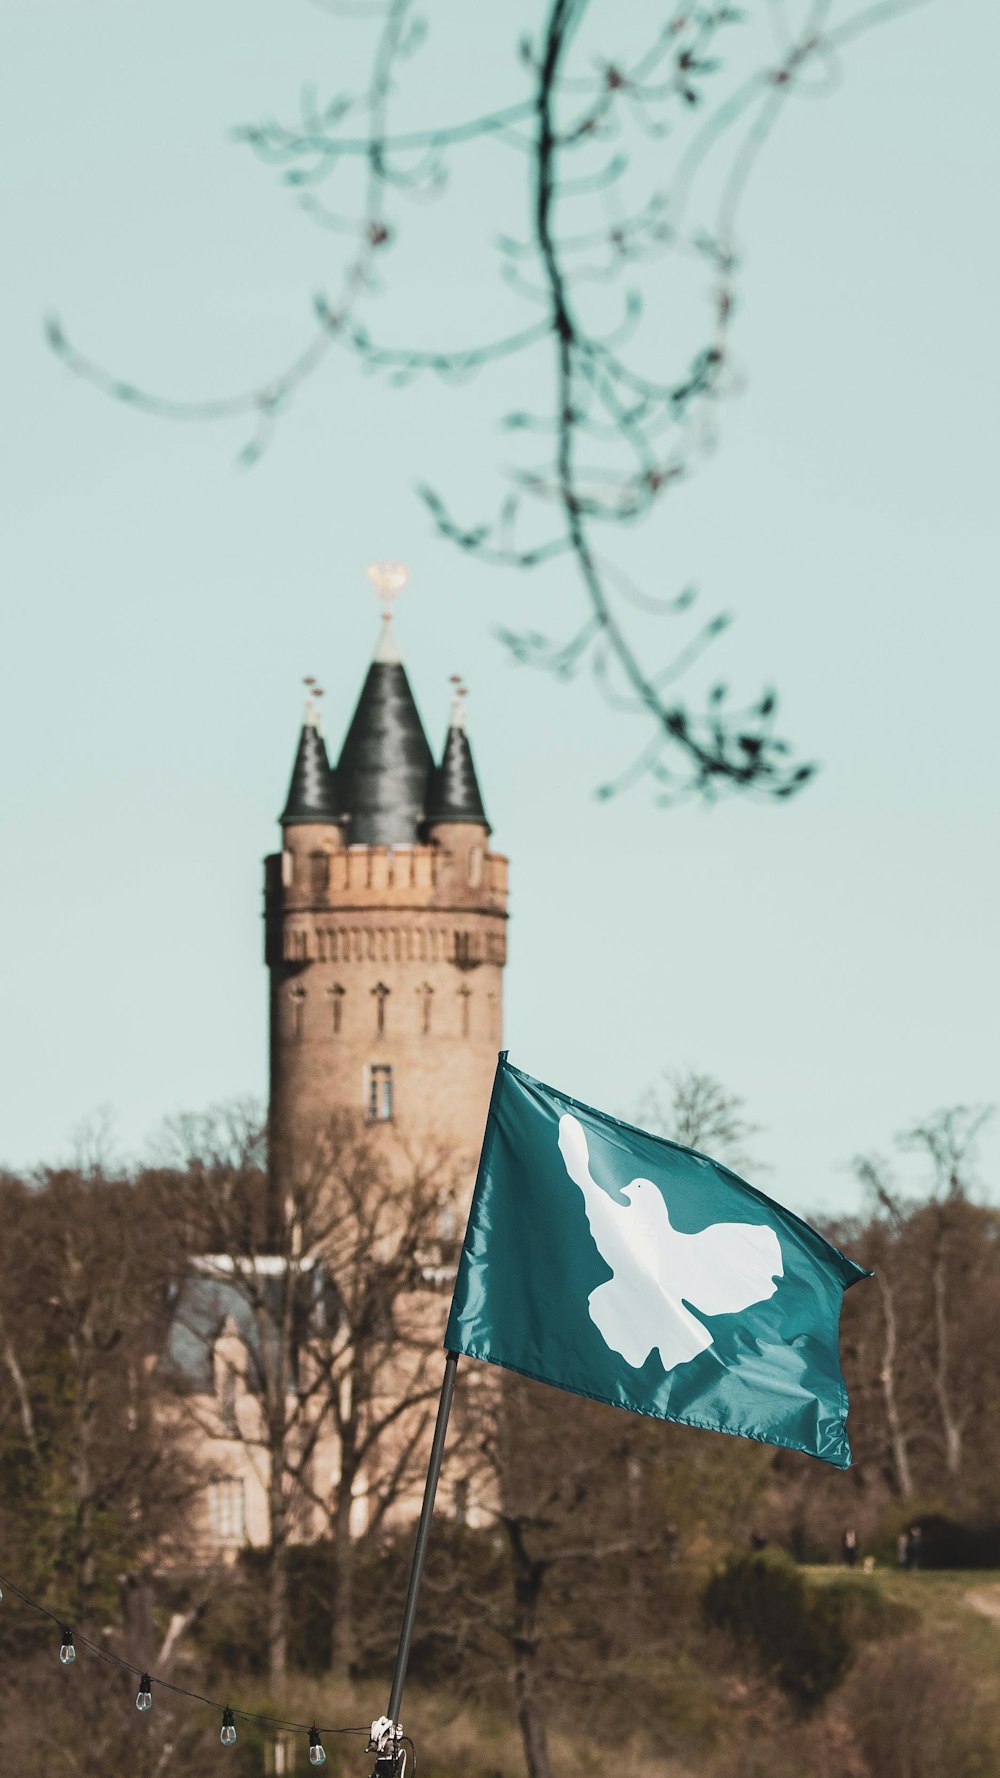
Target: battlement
388	877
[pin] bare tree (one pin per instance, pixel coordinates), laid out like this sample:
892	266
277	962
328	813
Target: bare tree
629	156
949	1142
90	1487
884	1230
582	1511
696	1110
325	1288
931	1258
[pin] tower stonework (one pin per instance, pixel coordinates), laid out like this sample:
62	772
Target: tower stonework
386	918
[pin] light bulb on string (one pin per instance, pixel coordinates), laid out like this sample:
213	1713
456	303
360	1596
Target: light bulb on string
317	1752
67	1652
228	1734
144	1696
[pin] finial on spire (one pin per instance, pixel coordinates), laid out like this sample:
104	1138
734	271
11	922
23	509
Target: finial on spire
458	697
311	718
387	582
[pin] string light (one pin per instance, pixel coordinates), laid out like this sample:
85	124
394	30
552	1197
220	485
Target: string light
144	1695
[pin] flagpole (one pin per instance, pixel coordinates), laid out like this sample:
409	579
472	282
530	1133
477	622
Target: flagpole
385	1734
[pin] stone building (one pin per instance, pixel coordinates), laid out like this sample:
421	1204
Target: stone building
385	916
385	942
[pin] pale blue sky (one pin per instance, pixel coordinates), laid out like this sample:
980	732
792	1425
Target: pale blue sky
834	960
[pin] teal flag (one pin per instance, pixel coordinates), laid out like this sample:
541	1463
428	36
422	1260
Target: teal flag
626	1268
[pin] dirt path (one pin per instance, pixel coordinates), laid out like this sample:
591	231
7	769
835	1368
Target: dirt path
985	1600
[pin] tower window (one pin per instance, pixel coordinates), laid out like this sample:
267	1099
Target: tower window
426	993
465	995
297	1000
336	994
381	993
379	1093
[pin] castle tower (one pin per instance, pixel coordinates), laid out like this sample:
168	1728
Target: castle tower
385	930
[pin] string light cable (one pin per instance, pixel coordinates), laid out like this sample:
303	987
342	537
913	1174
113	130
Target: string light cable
71	1640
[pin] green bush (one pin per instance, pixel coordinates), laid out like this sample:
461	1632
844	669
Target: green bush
799	1636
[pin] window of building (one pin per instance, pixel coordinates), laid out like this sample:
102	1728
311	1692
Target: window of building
379	1093
381	993
461	1501
297	1000
227	1510
465	994
426	993
336	994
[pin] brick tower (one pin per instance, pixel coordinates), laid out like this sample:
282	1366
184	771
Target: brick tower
385	918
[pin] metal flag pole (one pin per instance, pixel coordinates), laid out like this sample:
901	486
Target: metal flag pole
386	1730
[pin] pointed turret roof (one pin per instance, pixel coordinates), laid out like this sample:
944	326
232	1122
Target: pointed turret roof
454	793
312	793
386	763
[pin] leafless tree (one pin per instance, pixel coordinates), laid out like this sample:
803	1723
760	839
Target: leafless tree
81	1295
931	1258
696	1110
632	158
333	1280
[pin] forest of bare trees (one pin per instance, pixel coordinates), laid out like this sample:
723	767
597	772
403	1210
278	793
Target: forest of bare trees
578	1570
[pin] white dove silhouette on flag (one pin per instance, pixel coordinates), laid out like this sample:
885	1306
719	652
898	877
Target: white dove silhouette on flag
657	1270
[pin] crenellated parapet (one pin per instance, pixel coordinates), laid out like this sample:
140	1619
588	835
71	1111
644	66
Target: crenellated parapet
316	875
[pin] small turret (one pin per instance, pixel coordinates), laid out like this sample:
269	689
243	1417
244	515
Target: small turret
454	794
312	793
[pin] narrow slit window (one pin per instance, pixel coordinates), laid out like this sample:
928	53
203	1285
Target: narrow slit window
381	994
426	993
336	994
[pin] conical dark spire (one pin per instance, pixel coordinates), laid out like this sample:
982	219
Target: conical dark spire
386	763
454	793
312	793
